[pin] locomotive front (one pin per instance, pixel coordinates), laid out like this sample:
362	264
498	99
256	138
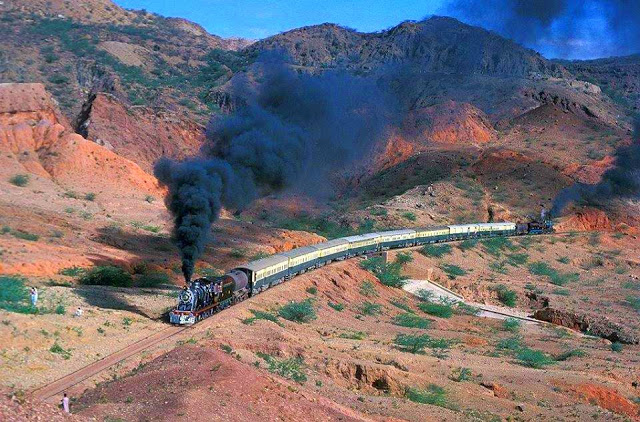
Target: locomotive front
205	296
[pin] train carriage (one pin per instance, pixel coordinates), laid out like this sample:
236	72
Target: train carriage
301	259
331	250
432	234
362	244
266	272
463	231
397	238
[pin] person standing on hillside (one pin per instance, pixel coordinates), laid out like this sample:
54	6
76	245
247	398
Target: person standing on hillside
65	403
34	296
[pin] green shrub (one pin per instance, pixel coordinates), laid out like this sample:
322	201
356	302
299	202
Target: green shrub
403	258
453	271
378	212
25	235
59	350
464	309
14	295
60	310
369	308
468	244
517	259
461	374
556	277
563	260
368	289
354	335
409	216
153	279
387	273
511	343
90	196
617	347
511	324
569	354
436	251
298	311
533	358
401	305
237	253
107	275
336	306
633	301
412	344
436	309
499	267
505	295
291	368
261	315
561	292
433	395
496	245
411	320
20	180
312	290
149	198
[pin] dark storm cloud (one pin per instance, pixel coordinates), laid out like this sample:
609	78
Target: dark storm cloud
559	28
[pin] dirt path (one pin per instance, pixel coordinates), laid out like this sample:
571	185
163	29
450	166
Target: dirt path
55	389
487	311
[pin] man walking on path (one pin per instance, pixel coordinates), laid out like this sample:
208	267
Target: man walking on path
34	296
65	403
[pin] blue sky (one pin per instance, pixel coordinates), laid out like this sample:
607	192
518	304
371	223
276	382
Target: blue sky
260	18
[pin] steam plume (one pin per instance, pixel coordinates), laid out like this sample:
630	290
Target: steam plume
294	132
621	181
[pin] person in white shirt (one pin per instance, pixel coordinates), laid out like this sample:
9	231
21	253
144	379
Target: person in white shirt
65	403
78	312
34	296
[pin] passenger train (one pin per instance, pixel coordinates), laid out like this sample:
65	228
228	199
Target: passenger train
205	296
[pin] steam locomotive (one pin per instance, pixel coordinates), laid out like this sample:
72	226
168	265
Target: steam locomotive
205	296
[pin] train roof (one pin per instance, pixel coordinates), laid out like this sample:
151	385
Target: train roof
396	232
359	237
293	253
263	263
431	228
331	243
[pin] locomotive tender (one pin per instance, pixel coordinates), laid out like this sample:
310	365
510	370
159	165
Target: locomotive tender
208	295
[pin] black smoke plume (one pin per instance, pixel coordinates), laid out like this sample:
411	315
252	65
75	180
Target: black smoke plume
294	131
559	28
621	181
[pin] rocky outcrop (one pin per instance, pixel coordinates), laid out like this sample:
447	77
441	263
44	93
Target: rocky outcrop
597	326
33	132
140	134
586	220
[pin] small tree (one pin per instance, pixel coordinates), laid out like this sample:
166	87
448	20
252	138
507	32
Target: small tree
412	344
298	311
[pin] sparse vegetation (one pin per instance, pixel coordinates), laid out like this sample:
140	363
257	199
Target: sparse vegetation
409	216
90	196
453	271
436	251
14	295
312	290
461	374
25	235
442	310
367	289
417	343
411	320
59	350
387	273
616	347
237	253
369	308
336	306
401	305
299	312
633	302
533	358
433	395
107	275
569	354
20	180
354	335
153	279
555	276
512	325
505	295
291	368
268	316
468	244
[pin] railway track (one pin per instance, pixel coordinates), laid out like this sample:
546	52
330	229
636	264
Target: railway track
57	387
